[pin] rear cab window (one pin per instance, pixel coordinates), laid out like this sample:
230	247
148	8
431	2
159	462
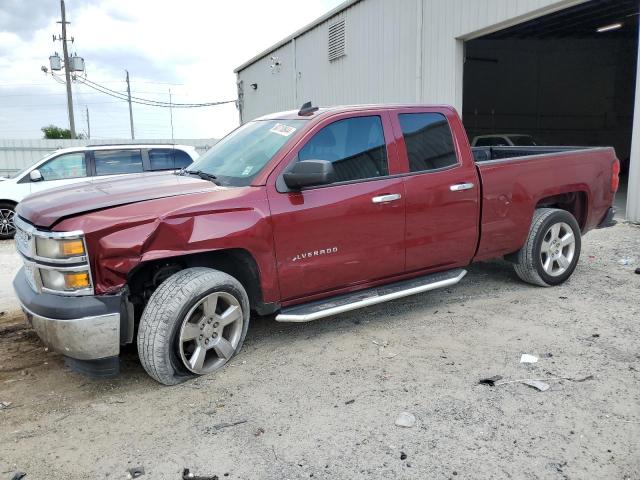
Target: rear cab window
355	146
428	141
117	162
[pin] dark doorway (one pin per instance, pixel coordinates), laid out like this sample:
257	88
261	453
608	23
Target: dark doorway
557	78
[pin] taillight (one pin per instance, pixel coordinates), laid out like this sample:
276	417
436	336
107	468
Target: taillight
615	178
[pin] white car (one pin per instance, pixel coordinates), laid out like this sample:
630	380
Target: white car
504	140
81	164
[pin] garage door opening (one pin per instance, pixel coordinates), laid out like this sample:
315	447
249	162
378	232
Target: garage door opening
566	78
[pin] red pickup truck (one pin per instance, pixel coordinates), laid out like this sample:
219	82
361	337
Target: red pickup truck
301	215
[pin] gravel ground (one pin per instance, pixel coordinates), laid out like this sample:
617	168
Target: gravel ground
319	400
9	265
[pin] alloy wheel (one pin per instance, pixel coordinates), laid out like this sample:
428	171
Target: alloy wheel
558	249
7	225
210	333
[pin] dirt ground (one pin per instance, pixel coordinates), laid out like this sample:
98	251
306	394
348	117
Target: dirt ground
319	400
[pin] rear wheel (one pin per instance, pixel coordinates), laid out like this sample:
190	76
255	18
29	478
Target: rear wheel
193	324
7	225
552	249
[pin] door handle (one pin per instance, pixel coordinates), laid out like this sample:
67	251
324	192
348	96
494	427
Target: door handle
461	186
392	197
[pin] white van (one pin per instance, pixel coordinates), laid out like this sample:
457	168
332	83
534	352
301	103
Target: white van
81	164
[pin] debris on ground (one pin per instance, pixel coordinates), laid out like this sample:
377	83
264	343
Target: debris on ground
187	475
259	432
135	472
4	405
638	270
528	358
381	346
625	261
403	456
220	426
537	384
18	475
491	381
532	382
349	402
406	419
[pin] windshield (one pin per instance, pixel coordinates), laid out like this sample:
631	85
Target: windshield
19	172
240	156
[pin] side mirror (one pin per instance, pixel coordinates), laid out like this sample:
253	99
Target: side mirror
308	173
35	175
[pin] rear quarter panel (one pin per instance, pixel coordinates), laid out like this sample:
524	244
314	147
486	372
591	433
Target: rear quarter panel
512	188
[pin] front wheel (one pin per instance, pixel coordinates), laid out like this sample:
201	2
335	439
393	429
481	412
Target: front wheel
552	249
7	225
193	324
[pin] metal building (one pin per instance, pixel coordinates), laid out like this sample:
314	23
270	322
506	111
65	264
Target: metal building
564	71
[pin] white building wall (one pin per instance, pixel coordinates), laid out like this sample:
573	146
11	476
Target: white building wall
393	54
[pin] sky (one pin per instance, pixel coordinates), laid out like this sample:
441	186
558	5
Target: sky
190	47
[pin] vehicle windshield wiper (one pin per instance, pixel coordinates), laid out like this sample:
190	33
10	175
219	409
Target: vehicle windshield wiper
201	174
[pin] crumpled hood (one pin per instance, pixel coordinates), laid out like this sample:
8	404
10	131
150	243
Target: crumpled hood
46	208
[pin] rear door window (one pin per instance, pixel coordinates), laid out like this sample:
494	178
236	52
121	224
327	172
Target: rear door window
428	139
355	146
116	162
68	165
168	159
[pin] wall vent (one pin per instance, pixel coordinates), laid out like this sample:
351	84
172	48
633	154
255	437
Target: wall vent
337	40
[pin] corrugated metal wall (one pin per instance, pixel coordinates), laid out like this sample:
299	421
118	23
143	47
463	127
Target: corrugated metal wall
17	154
383	61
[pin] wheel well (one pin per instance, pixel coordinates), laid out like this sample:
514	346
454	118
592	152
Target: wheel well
238	263
573	202
10	202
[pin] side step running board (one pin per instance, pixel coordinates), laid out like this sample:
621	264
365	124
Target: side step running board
371	296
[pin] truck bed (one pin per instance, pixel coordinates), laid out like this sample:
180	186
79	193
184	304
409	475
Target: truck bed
516	180
486	154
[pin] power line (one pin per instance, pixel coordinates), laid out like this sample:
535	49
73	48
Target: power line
146	101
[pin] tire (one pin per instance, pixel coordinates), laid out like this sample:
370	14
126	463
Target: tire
7	227
195	302
549	255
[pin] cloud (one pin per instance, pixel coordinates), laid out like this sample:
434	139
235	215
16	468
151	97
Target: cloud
24	17
138	63
191	47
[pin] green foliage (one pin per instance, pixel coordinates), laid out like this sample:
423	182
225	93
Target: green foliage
53	132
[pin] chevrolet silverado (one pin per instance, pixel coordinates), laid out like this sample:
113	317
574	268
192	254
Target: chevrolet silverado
300	215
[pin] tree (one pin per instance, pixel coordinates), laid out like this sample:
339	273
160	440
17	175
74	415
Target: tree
53	132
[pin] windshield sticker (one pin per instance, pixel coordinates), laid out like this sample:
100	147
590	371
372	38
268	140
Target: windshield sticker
281	129
247	171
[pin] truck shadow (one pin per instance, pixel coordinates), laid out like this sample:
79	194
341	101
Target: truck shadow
23	355
483	278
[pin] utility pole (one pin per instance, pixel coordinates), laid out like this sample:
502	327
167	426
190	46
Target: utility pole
130	109
67	70
88	123
171	114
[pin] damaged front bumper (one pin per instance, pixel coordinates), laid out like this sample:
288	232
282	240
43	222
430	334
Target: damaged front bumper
88	330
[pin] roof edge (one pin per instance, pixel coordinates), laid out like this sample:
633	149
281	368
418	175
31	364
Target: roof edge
343	6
